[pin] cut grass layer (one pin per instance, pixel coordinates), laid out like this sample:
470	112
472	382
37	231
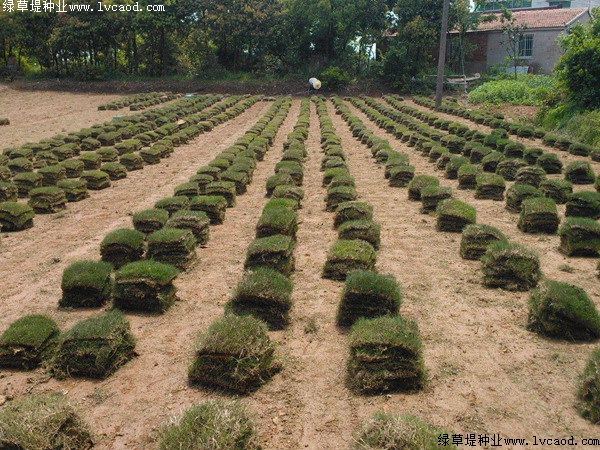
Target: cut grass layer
86	284
539	215
150	220
339	195
195	221
172	246
589	389
489	186
234	353
580	236
96	179
122	246
214	425
550	163
225	189
75	190
563	311
95	347
265	294
476	239
394	432
510	266
47	200
275	252
557	190
431	196
15	216
517	193
28	342
368	294
580	172
214	206
275	221
418	183
43	422
145	286
366	230
352	211
173	204
385	355
454	215
348	255
584	204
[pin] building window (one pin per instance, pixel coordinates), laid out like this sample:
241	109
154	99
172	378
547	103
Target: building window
526	46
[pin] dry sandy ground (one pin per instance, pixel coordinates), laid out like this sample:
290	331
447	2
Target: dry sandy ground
487	374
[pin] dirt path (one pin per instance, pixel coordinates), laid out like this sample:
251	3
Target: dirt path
565	157
487	373
38	115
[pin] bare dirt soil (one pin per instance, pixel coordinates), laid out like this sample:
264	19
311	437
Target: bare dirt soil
487	373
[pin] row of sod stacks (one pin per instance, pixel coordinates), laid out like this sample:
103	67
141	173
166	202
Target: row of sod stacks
93	348
68	179
137	99
235	353
265	289
497	121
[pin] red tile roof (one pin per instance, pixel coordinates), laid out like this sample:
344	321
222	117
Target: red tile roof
536	18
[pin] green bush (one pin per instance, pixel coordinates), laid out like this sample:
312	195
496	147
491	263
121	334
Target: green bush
510	266
95	347
394	432
348	255
368	294
145	286
42	422
385	355
28	342
122	246
86	284
215	425
265	294
563	311
234	353
334	78
526	90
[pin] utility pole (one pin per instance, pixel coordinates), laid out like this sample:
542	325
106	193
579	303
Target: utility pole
442	58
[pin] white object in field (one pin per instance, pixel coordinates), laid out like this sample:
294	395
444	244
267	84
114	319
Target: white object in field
314	83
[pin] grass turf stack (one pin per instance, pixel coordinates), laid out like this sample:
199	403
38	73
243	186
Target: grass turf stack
454	215
172	246
275	252
96	179
215	425
173	204
476	239
539	215
235	354
490	187
43	422
563	311
265	294
75	190
145	286
580	236
432	196
366	230
517	193
274	221
195	221
8	192
122	246
589	389
150	220
385	355
47	200
26	182
28	342
348	211
584	204
15	216
214	206
580	172
348	255
86	284
418	183
368	294
557	190
95	347
510	266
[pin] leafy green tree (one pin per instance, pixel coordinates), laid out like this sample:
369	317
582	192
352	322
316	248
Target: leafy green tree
513	34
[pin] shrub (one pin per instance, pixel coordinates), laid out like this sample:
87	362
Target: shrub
367	230
47	200
234	353
385	355
214	206
454	215
215	425
334	78
584	204
517	193
563	311
418	183
145	286
195	221
150	220
96	179
173	204
368	294
580	236
75	190
526	90
510	266
557	190
490	187
122	246
275	221
28	342
352	211
476	239
42	422
172	246
589	389
265	294
86	284
95	347
580	172
348	255
539	215
15	216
